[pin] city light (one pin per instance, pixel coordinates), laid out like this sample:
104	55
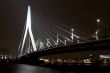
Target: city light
98	20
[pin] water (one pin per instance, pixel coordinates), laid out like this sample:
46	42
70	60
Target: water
22	68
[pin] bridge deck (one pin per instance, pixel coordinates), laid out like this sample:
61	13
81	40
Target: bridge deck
88	46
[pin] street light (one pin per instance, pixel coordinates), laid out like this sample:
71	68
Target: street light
98	21
97	31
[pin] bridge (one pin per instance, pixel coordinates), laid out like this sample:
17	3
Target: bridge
49	38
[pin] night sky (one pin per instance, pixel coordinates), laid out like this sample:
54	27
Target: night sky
81	14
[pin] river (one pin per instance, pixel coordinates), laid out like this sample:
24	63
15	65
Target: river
22	68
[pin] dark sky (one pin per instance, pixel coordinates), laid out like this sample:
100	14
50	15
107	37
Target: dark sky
81	14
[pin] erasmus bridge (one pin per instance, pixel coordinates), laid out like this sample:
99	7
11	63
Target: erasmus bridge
50	35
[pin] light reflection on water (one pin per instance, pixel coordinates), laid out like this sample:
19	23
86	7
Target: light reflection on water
21	68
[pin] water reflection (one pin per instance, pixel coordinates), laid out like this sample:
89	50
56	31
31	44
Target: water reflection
21	68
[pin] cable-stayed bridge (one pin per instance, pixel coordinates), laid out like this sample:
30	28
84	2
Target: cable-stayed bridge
48	35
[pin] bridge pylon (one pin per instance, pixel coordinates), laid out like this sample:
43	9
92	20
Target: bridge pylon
27	33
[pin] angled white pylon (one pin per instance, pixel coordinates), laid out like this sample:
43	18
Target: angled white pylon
28	29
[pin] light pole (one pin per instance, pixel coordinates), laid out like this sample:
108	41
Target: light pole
96	35
97	31
98	22
65	42
72	34
57	40
47	42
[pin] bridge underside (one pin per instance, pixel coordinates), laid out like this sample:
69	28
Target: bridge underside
75	55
